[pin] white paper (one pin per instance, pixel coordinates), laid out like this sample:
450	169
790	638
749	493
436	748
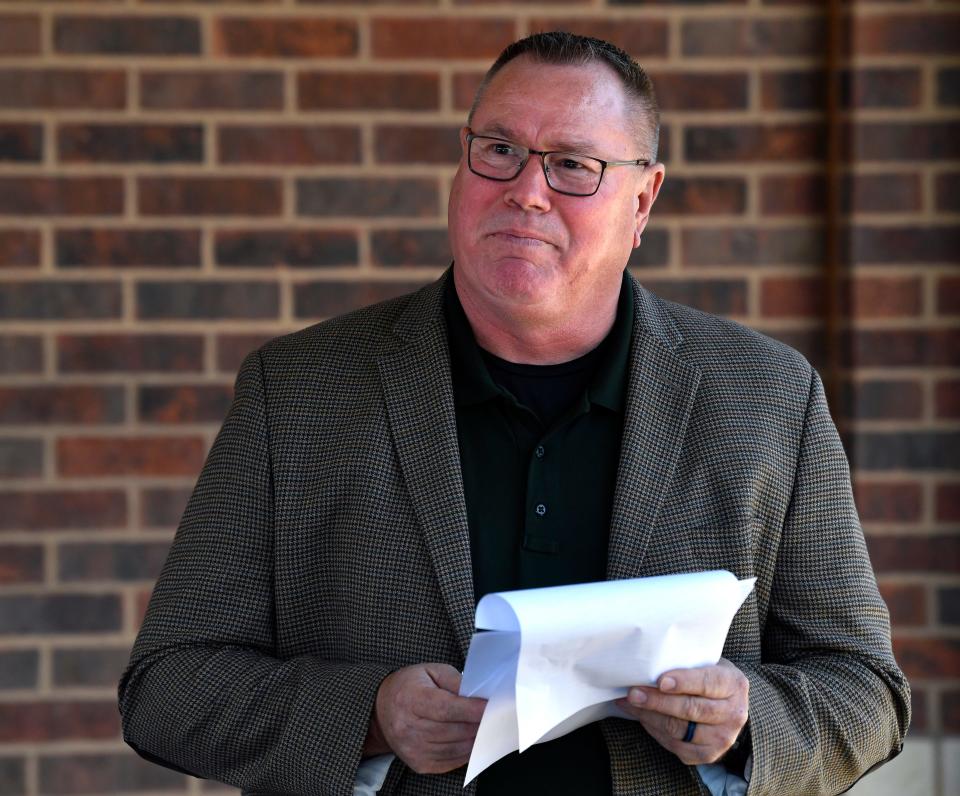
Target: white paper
552	660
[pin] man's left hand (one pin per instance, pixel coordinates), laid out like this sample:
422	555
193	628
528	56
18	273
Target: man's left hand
715	697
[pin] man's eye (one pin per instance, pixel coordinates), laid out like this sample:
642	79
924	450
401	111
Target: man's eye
571	165
502	149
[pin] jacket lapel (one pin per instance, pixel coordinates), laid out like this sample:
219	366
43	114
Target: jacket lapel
418	390
661	389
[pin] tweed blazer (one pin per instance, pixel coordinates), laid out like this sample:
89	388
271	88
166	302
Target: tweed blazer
326	545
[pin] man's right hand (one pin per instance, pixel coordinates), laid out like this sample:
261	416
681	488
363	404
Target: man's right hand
423	721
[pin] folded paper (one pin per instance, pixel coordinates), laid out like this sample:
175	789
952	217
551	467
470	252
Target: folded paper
551	660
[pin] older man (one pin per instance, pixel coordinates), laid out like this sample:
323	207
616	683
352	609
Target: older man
534	418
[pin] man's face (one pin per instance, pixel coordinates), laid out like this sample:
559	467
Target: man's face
522	250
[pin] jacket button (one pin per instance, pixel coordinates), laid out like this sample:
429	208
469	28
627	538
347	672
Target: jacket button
539	451
540	509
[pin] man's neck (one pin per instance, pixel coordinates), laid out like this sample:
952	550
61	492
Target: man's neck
536	339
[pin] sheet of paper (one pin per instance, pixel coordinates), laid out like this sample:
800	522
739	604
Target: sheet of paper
551	660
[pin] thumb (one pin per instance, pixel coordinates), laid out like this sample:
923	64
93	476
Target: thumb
444	676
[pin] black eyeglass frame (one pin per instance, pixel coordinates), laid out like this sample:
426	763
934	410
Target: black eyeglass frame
604	164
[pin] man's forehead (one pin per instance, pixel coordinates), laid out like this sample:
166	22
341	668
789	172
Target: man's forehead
574	105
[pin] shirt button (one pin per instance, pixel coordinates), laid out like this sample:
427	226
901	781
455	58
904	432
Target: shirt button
540	509
539	451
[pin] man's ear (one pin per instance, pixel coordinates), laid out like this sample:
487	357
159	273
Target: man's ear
652	180
463	141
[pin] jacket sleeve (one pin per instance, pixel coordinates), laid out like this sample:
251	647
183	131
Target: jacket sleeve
828	702
204	692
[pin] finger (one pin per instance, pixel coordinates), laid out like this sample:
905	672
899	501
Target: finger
688	753
682	706
448	731
719	681
440	705
444	676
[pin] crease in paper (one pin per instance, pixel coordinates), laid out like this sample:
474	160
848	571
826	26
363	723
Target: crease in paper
554	659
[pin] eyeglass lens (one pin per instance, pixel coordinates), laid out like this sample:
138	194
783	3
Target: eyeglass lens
501	160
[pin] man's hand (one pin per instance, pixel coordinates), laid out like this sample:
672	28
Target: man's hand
419	717
715	697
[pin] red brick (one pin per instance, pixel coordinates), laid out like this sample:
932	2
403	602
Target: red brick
289	144
129	456
368	197
129	353
232	348
915	34
907	603
21	353
21	457
805	194
183	403
948	605
883	501
948	86
20	563
902	347
639	37
32	614
907	450
702	196
753	142
410	247
88	666
127	247
325	299
18	669
203	300
130	143
776	37
19	34
719	296
46	300
948	502
460	37
701	91
948	295
928	657
75	403
63	89
347	90
21	143
19	248
653	252
61	196
792	297
881	87
465	85
948	191
161	507
113	561
882	400
126	35
908	245
25	722
946	398
405	144
950	710
197	196
293	247
921	554
919	709
212	89
61	509
284	37
84	773
914	140
884	297
752	246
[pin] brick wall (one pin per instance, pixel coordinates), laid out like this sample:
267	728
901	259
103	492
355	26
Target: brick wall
182	180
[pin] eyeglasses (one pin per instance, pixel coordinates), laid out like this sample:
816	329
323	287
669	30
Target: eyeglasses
566	172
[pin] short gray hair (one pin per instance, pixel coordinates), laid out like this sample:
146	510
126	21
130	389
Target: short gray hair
568	49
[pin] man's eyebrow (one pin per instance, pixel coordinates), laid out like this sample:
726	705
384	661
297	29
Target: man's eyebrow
564	145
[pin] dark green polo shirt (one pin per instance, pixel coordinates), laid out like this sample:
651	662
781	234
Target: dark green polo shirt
539	479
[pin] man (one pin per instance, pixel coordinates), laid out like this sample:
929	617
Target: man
533	418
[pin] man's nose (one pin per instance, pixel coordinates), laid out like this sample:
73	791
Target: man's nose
529	189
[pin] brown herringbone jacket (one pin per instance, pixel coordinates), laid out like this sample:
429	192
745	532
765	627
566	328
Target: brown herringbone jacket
326	545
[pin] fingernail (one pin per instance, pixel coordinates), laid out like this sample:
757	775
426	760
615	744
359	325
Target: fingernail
668	684
637	696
